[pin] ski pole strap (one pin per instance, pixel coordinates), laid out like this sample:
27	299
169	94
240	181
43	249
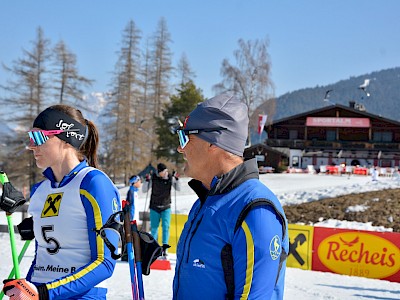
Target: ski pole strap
3	177
115	224
11	198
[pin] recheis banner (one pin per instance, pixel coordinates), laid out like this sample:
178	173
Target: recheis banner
350	252
357	253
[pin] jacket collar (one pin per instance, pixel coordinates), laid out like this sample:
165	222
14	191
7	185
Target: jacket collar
228	181
48	173
133	188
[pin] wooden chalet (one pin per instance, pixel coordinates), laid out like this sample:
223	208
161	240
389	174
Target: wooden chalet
266	156
335	135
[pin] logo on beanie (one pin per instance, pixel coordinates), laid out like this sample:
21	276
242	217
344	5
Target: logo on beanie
65	126
184	123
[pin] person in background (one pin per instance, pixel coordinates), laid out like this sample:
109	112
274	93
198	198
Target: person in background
132	196
235	242
374	173
74	200
161	184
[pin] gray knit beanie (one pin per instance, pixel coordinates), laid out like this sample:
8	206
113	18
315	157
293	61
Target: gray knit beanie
224	110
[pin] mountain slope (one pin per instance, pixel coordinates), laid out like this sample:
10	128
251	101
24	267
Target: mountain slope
384	99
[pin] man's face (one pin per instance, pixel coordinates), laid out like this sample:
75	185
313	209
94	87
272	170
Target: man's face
163	174
195	154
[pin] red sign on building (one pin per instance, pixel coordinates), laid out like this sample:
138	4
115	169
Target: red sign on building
338	122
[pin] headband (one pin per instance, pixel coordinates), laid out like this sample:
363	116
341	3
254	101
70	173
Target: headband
52	119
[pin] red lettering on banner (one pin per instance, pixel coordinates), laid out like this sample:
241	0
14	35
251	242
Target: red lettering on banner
336	252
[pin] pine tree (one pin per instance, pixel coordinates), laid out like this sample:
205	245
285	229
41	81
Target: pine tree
185	73
67	81
125	99
27	96
156	74
161	64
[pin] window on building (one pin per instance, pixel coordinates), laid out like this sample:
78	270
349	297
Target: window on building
383	136
330	135
293	134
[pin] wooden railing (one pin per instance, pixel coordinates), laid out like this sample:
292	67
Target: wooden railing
317	144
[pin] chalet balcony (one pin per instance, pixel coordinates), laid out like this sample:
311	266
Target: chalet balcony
338	145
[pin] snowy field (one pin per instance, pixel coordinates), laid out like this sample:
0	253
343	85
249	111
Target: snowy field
300	284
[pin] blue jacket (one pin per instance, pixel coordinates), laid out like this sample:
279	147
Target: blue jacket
235	242
99	198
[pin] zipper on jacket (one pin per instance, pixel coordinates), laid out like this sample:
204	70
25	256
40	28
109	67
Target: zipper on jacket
192	235
184	247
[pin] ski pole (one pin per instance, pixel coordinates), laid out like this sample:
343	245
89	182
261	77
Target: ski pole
147	194
138	258
144	228
129	249
20	256
13	245
176	225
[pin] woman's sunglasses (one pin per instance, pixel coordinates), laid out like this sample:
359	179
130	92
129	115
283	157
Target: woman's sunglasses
39	137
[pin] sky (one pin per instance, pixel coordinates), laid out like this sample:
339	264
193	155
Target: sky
311	42
299	284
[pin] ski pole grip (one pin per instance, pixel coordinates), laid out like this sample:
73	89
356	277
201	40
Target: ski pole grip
127	228
136	242
3	177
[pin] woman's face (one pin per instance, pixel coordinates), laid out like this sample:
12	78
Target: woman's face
50	153
138	184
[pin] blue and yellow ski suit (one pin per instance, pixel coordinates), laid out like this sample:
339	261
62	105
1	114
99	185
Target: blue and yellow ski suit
235	242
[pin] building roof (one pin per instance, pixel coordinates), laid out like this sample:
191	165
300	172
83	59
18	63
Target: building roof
332	107
264	147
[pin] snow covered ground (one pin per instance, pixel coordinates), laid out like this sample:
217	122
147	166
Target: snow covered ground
300	284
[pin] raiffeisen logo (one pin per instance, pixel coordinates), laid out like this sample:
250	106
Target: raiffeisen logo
359	254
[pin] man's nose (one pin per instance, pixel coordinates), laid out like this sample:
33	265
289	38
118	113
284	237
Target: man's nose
179	149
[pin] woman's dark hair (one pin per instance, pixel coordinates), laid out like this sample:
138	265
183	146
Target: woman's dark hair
88	149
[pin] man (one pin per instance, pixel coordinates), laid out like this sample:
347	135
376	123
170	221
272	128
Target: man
235	242
160	201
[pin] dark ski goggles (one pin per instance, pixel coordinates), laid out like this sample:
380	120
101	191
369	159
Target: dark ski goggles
39	137
183	134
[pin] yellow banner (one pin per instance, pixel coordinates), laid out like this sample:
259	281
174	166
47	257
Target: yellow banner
175	229
300	246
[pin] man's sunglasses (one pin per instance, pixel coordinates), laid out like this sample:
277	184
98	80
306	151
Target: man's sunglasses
183	134
39	137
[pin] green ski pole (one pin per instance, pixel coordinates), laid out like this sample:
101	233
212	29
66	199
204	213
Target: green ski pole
13	245
4	180
20	256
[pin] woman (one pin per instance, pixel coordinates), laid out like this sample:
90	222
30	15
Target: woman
74	200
